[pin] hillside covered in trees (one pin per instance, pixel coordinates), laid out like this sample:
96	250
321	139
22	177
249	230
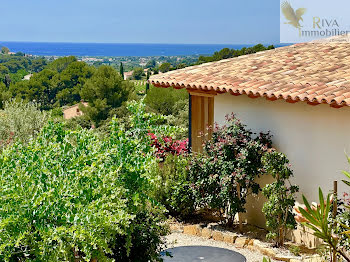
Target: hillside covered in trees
67	81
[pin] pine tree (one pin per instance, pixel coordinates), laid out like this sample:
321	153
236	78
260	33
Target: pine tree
121	70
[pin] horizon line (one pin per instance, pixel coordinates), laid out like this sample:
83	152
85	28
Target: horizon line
139	43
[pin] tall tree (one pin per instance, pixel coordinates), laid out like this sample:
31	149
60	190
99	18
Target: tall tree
39	89
151	63
147	77
121	70
61	63
5	50
70	82
104	91
137	73
37	65
165	67
7	80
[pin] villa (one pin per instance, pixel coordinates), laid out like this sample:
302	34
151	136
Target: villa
128	75
301	93
73	111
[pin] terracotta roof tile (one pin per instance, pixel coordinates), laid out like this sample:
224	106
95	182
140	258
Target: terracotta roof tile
317	72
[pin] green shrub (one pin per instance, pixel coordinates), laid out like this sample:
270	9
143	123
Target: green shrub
69	195
171	103
280	194
57	112
80	121
164	100
333	230
20	121
343	216
180	117
295	250
104	91
173	187
344	226
137	73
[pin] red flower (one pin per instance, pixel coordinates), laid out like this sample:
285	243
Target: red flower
166	145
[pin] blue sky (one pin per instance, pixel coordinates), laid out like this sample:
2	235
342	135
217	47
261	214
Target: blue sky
136	21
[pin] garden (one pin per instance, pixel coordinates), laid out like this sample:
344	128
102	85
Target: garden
70	193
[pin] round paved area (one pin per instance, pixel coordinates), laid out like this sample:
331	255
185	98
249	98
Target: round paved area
202	253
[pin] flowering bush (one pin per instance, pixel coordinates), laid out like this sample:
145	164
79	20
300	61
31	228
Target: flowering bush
164	145
172	185
224	174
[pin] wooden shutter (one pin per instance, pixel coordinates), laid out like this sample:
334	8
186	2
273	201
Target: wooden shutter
202	117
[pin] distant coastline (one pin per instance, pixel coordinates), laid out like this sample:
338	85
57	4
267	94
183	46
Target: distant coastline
108	50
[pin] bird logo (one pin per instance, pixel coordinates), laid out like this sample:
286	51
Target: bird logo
292	16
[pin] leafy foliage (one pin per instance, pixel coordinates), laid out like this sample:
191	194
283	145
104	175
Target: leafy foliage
14	67
20	121
173	186
69	83
13	63
333	229
278	208
104	91
172	103
164	100
137	73
319	219
71	195
229	53
343	229
225	173
165	67
343	216
295	250
5	50
347	174
57	85
61	63
151	63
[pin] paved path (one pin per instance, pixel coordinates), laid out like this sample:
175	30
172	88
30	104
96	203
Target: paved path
202	253
179	240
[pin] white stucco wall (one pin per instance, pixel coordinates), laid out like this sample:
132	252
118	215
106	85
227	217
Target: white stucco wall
314	138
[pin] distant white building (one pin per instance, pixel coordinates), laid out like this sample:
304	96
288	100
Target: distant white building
27	77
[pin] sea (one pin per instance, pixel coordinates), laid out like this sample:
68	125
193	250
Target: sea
100	49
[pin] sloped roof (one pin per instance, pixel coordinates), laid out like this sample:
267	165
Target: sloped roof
315	72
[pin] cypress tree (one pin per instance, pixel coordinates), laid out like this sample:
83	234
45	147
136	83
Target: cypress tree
147	77
121	70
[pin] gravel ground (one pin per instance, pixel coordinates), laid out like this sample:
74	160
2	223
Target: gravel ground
178	239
